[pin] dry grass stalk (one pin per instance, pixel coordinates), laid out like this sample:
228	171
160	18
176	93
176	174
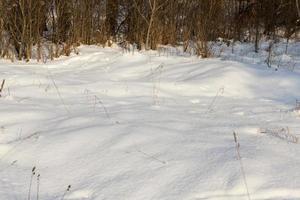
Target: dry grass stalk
156	83
98	101
213	102
2	86
38	187
30	184
237	148
67	190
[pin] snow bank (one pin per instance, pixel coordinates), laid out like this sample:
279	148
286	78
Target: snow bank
147	126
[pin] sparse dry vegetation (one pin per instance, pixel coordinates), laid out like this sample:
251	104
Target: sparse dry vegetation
47	29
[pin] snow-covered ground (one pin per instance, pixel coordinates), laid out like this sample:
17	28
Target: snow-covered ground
119	126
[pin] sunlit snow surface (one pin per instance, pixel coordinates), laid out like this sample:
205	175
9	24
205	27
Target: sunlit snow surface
143	126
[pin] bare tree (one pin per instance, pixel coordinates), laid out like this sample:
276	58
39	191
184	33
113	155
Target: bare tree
25	24
155	6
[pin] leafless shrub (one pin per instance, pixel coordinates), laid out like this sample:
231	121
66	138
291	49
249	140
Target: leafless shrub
25	24
162	50
281	133
128	47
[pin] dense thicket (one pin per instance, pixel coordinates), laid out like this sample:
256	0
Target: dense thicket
27	26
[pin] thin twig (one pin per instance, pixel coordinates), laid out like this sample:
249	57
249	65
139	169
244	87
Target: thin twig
98	100
58	93
151	156
220	91
139	11
237	147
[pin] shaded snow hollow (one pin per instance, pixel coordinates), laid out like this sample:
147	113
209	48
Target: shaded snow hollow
122	126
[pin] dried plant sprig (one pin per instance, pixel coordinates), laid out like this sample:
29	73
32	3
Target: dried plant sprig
237	148
66	191
30	183
216	97
38	186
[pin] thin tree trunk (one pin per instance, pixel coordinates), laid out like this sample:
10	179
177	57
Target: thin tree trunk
149	31
298	8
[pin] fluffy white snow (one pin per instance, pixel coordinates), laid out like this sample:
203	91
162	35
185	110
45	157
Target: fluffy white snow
143	126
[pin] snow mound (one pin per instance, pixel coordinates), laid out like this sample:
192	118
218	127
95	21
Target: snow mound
147	126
